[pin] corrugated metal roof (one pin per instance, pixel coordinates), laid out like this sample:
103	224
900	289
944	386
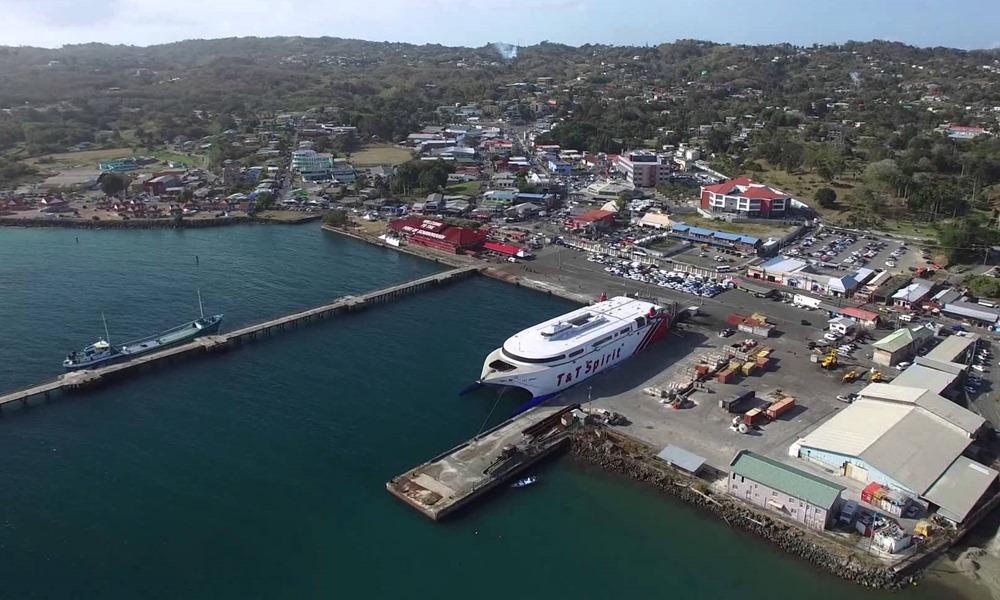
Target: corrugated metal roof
943	408
961	486
951	348
925	377
794	482
941	365
851	431
679	457
897	340
680	227
782	264
891	391
749	239
722	235
916	450
700	231
973	311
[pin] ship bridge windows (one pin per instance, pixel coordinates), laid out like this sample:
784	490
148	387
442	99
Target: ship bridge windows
576	353
625	331
499	365
601	341
532	360
640	321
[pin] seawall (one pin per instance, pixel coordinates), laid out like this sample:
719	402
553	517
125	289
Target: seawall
625	456
149	223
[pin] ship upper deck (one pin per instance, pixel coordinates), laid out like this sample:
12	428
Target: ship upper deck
579	330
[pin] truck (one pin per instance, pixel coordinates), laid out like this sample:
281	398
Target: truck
733	403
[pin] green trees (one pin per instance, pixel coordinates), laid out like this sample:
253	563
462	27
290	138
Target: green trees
824	159
336	218
113	184
966	239
984	286
826	197
420	175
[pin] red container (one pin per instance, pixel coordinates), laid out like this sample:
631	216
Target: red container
868	494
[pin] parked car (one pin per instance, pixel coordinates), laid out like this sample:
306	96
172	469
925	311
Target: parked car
903	365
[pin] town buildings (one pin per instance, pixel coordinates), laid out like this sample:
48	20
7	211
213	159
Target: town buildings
312	165
900	345
743	197
643	168
909	439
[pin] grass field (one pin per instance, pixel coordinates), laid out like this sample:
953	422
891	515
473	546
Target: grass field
468	188
380	154
85	158
760	230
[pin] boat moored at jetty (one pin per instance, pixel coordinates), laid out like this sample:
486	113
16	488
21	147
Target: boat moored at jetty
550	357
104	352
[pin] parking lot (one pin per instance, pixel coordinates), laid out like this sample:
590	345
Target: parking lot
842	253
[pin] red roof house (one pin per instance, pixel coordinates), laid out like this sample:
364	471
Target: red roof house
741	195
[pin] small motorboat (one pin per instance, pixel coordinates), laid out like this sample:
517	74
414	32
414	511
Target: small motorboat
520	483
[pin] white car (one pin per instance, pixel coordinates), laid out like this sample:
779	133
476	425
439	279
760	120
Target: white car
903	365
979	368
890	264
833	337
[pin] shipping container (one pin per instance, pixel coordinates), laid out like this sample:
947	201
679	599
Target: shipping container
781	406
733	404
869	493
726	376
754	416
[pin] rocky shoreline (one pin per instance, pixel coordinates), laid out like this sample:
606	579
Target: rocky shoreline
618	454
149	223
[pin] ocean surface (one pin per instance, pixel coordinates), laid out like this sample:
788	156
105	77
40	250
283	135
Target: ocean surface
260	473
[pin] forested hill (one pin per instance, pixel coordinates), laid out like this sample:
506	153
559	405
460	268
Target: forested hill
53	97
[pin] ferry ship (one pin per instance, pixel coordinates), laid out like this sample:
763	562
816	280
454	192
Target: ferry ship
550	357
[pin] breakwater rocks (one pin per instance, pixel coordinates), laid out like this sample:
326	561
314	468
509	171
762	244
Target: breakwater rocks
616	453
147	223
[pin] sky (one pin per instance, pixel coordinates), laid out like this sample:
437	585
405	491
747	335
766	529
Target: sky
954	23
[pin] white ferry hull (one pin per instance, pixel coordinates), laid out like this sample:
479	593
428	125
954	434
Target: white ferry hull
549	380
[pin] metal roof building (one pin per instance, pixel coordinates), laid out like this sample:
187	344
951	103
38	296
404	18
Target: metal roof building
921	376
961	486
794	482
681	458
971	311
952	348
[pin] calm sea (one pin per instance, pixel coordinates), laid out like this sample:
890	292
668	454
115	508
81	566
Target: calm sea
259	473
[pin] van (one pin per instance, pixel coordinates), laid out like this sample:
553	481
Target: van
906	318
723	269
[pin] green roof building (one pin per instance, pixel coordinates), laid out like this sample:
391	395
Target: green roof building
795	494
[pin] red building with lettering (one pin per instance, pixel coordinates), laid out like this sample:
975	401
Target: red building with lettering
437	234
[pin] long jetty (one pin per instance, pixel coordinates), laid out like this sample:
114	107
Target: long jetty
214	343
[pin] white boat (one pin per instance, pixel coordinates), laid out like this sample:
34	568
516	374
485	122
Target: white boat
549	358
520	483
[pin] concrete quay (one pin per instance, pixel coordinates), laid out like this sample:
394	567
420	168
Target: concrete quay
213	343
459	476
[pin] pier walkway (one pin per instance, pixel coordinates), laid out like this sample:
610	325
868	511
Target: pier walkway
212	343
459	476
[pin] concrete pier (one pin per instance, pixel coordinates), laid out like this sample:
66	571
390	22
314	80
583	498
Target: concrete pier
466	472
212	343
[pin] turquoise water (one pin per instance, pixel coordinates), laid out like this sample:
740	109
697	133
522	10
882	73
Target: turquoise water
260	473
